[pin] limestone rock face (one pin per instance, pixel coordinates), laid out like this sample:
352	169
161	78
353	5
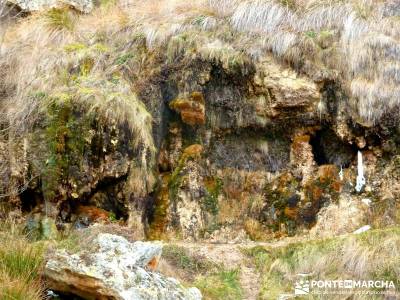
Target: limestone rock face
113	268
342	217
85	6
288	87
285	89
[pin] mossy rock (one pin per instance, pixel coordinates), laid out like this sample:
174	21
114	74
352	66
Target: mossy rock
39	227
282	199
214	187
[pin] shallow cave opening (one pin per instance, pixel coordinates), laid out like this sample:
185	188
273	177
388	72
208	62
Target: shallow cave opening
105	196
328	148
30	198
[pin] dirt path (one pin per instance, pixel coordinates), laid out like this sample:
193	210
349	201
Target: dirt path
232	257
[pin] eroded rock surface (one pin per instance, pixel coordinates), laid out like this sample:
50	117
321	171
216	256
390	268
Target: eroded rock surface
113	268
85	6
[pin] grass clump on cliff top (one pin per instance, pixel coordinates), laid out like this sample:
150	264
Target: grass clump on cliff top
364	37
373	255
20	264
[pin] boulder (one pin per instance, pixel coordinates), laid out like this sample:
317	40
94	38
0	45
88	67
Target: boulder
111	267
85	6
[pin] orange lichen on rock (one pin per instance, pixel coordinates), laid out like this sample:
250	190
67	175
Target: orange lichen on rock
291	212
300	145
301	155
329	175
153	263
326	181
192	109
93	213
193	151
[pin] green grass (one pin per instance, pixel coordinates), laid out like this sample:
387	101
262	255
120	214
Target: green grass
372	255
221	285
261	256
20	264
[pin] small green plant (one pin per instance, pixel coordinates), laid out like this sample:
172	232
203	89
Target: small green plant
260	255
198	20
75	47
311	34
60	19
221	285
123	59
112	217
107	3
291	4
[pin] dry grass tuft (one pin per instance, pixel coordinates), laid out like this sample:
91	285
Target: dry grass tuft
60	19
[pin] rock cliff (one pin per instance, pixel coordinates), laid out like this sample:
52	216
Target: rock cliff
186	120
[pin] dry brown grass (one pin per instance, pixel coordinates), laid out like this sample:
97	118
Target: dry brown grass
365	31
373	255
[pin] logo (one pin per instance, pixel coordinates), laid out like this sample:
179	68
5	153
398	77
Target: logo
302	287
347	286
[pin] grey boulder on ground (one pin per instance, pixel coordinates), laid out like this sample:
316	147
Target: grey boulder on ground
113	268
85	6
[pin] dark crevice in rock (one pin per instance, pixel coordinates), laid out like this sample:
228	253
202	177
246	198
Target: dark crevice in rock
30	198
149	209
61	296
169	91
329	149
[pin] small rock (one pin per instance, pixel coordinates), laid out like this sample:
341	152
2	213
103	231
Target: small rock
360	141
362	229
39	227
366	201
